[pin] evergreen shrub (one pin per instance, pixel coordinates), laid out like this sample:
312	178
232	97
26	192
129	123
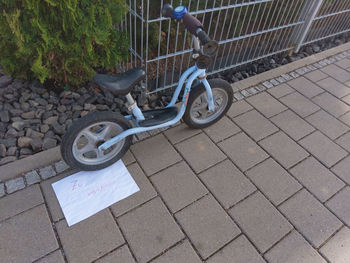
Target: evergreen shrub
61	40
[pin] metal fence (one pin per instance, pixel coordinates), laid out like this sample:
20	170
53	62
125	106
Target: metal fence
247	30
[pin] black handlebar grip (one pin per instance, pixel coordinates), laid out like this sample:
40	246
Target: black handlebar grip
203	37
191	23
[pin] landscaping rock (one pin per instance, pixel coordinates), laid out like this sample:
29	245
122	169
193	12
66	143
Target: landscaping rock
49	143
12	151
36	144
4	116
44	128
8	142
24	141
2	150
28	115
51	120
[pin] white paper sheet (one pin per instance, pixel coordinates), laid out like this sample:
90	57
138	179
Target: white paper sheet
83	194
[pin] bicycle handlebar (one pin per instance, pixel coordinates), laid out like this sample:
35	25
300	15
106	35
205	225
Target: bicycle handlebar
192	24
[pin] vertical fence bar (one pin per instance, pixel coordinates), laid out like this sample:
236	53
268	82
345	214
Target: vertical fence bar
310	16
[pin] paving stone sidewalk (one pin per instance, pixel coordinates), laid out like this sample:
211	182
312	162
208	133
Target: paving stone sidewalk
270	182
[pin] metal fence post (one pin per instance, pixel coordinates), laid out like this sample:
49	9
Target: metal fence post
308	15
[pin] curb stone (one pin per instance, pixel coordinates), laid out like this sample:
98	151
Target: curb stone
48	163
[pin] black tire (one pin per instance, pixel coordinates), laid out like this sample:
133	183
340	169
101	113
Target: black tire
197	91
84	122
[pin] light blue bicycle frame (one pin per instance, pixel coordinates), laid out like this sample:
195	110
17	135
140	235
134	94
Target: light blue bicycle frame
191	74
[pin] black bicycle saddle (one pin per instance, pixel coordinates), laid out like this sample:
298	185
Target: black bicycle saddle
120	84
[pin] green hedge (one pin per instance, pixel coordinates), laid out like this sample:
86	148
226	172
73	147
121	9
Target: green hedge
61	40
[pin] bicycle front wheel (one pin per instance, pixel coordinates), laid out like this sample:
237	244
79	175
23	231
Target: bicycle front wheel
197	114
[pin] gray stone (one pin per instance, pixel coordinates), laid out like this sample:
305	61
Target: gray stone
41	101
340	205
9	142
61	108
28	115
5	81
61	166
89	107
58	129
44	128
336	250
267	84
4	116
24	141
34	134
7	159
2	150
25	151
47	172
19	125
51	120
14	185
39	113
2	190
32	177
238	96
12	151
49	143
11	133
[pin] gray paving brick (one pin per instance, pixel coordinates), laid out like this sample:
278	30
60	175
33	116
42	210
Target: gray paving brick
47	172
345	118
50	197
266	104
283	186
344	141
146	192
121	255
238	108
310	217
334	87
149	230
14	185
256	125
27	236
286	151
317	178
182	253
331	104
336	250
337	73
299	104
2	190
128	158
155	154
260	221
346	99
32	177
222	129
293	249
55	257
305	86
342	169
281	90
292	124
323	148
344	63
207	225
180	133
316	75
239	250
327	124
249	153
61	166
200	152
91	238
19	202
340	205
227	183
178	186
